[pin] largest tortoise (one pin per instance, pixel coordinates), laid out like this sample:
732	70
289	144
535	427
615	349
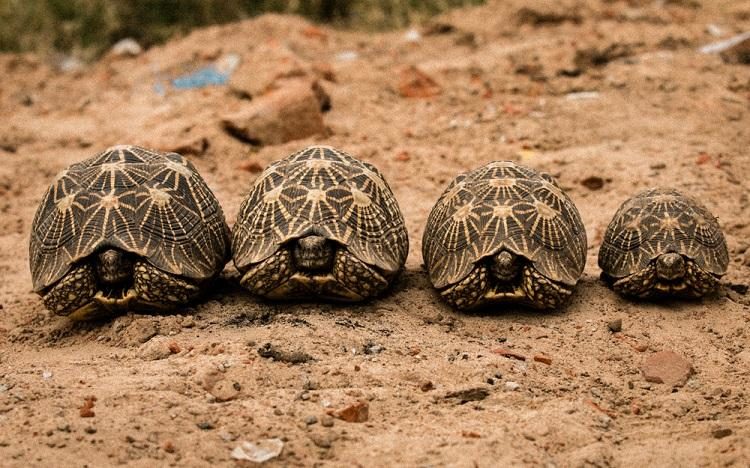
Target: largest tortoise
504	233
127	228
319	223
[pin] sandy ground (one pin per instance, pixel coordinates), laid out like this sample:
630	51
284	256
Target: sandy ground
187	388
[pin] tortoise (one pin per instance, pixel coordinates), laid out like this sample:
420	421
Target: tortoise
129	228
504	233
319	224
663	243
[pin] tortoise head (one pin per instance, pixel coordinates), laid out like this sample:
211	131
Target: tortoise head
670	266
505	265
314	253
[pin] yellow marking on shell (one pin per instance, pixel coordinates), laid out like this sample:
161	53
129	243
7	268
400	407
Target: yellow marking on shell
110	202
376	179
502	164
462	213
504	182
669	222
635	223
316	196
502	211
160	197
110	167
361	198
65	202
272	196
664	198
180	169
454	191
318	164
554	189
545	211
60	175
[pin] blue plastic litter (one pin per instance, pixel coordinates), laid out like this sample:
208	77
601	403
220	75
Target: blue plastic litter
207	76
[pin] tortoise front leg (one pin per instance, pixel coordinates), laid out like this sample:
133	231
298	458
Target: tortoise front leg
266	276
76	290
156	288
468	292
358	280
541	292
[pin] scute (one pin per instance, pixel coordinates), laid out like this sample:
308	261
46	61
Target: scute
324	191
513	208
657	221
151	204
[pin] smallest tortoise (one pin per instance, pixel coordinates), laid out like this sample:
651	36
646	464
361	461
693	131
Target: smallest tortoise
661	242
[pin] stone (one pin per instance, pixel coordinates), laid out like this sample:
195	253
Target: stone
414	83
721	433
667	367
286	114
468	394
158	347
615	325
354	413
127	47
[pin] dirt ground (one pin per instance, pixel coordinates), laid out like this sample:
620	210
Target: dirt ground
186	389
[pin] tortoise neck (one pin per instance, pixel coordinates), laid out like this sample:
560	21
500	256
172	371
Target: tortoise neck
114	266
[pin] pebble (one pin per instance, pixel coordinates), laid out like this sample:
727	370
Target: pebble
468	394
426	386
615	325
414	83
512	386
326	421
127	47
158	347
356	412
667	367
543	359
310	420
721	433
205	426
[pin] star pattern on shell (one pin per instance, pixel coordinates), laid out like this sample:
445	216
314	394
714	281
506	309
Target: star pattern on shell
503	205
657	221
150	204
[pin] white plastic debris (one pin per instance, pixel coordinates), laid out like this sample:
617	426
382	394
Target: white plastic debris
227	63
127	47
46	375
582	95
721	46
512	386
412	35
259	451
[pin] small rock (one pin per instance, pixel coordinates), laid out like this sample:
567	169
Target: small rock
356	412
310	420
326	421
372	348
224	390
259	451
721	433
593	183
90	430
86	411
512	386
469	394
322	439
168	446
543	359
615	325
158	347
509	354
667	367
282	115
414	83
426	386
46	375
205	426
295	357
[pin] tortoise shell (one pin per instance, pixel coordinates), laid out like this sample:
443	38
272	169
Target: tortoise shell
323	191
658	221
504	205
150	204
